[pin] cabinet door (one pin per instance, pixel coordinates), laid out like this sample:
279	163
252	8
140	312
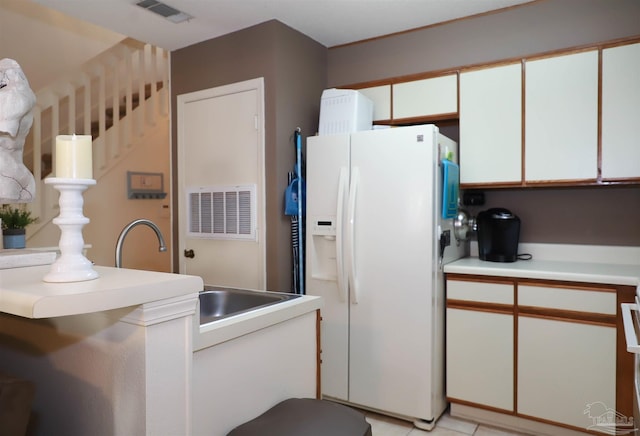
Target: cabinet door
561	118
563	368
491	125
428	97
381	98
480	357
621	112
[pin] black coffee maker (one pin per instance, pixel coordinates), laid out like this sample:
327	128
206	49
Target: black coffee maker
498	235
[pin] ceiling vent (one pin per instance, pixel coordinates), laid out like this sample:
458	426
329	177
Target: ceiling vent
164	10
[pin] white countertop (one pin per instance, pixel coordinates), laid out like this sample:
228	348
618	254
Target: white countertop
23	293
588	272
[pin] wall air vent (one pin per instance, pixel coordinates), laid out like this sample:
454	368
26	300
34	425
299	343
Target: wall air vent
222	212
164	10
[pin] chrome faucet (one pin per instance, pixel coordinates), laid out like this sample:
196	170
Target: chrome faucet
128	228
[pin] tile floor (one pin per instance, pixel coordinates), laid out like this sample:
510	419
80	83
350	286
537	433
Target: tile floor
447	426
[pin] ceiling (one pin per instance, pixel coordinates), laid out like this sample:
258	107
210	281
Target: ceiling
330	22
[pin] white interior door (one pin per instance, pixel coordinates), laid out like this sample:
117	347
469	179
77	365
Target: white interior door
221	146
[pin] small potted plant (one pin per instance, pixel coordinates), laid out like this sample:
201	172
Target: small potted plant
14	221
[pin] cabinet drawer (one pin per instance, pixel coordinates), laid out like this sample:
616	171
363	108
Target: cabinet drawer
563	298
484	292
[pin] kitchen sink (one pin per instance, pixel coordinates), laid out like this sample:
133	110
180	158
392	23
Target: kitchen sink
218	303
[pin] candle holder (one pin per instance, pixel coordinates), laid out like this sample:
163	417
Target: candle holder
72	265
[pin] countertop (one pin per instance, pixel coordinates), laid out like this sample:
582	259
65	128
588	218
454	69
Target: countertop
588	272
23	293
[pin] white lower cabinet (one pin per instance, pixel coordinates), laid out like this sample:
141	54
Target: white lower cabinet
545	351
480	357
480	342
563	368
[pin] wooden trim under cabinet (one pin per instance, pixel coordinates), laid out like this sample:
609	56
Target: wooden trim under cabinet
567	315
552	183
624	359
523	124
599	128
481	278
480	306
423	119
318	356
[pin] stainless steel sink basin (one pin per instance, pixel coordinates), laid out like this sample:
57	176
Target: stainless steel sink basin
218	303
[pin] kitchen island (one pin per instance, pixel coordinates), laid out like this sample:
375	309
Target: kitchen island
107	356
125	354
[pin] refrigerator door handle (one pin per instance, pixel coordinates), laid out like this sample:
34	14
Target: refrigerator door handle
350	242
343	185
629	328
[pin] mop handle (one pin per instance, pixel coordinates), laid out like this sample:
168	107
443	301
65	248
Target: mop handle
298	140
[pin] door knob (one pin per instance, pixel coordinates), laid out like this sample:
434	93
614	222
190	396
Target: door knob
189	253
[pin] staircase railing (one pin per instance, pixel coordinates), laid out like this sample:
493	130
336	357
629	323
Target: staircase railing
114	97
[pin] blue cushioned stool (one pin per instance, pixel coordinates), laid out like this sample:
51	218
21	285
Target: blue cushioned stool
306	417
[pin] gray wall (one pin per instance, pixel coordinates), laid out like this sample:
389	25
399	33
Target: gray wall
589	215
536	27
595	215
294	69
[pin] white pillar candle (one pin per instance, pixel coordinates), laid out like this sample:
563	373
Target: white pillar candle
74	157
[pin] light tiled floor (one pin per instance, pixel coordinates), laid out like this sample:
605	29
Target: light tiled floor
446	426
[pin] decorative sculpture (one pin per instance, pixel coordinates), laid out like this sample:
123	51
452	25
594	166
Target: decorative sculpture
17	184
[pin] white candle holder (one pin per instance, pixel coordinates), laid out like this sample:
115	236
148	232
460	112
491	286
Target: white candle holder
72	265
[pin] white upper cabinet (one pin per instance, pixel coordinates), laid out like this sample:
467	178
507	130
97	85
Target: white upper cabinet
491	125
561	118
621	112
381	98
557	119
427	97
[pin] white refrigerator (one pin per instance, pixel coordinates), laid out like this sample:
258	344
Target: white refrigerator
374	222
